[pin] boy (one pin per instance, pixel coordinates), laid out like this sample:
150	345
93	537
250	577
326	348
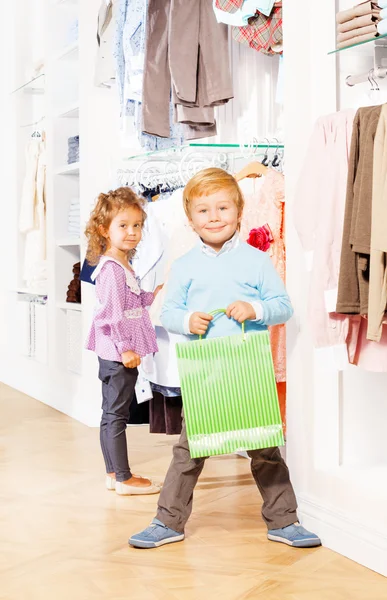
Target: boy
222	271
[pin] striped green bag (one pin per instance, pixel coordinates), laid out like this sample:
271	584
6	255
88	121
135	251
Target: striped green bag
229	394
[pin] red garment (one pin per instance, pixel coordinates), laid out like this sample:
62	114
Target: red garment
263	33
230	6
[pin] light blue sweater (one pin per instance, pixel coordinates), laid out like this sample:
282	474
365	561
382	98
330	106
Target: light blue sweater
201	283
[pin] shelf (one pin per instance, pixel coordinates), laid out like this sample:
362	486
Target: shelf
33	86
236	146
68	242
72	169
71	112
31	292
375	39
69	52
69	306
171	151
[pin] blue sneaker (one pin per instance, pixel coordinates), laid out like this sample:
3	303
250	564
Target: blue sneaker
294	535
157	534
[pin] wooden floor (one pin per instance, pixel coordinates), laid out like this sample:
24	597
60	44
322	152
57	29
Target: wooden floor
64	537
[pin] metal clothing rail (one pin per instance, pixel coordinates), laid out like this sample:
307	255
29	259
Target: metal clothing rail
269	143
174	167
371	76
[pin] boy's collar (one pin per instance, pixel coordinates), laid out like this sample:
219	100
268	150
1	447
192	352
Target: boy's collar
227	246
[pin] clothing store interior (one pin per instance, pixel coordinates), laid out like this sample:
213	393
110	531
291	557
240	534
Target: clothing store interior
193	329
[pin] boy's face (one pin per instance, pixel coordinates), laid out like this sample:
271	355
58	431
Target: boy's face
214	218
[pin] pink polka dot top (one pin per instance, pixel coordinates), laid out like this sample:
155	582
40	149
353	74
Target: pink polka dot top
121	321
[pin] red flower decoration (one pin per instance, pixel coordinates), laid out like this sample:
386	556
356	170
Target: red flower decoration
261	238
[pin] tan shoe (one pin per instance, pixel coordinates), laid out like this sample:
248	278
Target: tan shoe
123	489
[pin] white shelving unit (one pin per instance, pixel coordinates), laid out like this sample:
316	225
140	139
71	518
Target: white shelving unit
60	372
69	52
69	306
63	242
70	112
64	114
71	169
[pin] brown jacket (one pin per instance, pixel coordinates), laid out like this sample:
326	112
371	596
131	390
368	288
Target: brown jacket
355	251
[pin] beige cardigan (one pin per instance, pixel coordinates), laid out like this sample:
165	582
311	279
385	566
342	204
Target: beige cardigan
378	270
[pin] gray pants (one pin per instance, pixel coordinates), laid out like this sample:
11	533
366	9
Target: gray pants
187	50
269	471
117	394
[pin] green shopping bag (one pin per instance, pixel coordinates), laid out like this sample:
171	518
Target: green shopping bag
229	393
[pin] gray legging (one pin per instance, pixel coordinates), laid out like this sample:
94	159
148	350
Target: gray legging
117	394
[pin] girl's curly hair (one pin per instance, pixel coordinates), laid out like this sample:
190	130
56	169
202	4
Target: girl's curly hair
107	207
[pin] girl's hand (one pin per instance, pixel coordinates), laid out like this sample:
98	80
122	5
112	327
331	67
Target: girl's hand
158	289
130	359
241	311
199	322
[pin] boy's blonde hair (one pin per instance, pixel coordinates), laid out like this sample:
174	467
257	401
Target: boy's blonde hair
107	207
209	181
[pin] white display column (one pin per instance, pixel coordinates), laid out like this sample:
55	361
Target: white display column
336	420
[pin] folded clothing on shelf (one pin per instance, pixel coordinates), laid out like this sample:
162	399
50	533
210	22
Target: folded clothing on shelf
74	287
361	37
73	218
369	8
358	24
73	149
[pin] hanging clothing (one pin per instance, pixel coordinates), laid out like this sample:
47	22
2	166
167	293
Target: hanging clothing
319	207
263	33
27	216
264	204
165	413
370	355
129	50
154	257
239	17
32	218
180	239
354	263
378	258
186	49
229	5
104	68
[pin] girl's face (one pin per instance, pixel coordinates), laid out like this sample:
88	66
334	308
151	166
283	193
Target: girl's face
125	229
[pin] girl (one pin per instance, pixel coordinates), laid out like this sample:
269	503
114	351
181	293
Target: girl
121	332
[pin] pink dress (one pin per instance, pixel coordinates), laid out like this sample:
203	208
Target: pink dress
121	321
264	204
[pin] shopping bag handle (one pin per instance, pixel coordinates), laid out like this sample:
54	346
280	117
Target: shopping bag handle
219	311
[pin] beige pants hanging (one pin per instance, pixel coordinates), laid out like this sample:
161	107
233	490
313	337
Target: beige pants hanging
186	49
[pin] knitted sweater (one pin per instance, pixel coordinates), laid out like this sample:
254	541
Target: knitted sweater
199	283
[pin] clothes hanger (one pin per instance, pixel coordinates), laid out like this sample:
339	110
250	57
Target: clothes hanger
253	169
265	160
276	159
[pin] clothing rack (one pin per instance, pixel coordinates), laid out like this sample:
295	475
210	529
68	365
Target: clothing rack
34	123
379	71
173	168
371	76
